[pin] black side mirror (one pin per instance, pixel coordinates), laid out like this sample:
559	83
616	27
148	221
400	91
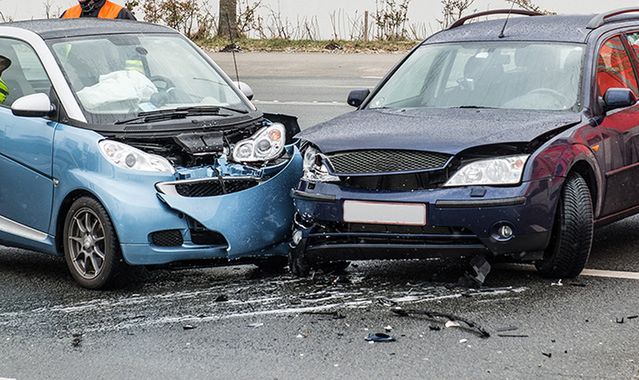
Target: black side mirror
616	98
357	97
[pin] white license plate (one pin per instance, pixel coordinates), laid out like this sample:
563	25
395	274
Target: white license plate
405	214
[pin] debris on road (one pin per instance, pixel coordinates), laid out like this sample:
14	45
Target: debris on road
548	355
254	325
558	283
379	338
388	328
513	336
434	328
434	316
463	341
480	270
77	339
632	317
578	284
222	298
188	327
620	321
451	324
503	329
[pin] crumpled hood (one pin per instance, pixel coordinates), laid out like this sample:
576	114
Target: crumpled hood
436	130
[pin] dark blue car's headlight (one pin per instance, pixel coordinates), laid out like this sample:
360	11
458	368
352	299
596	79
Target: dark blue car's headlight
315	169
496	171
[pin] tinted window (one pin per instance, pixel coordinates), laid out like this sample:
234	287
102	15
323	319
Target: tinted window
614	68
25	74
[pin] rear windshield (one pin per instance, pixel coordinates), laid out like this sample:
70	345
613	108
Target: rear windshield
533	76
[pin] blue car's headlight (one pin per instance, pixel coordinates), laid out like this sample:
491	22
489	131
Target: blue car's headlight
265	145
314	168
497	171
128	157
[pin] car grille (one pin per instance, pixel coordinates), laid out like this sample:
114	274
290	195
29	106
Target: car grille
385	161
168	238
214	187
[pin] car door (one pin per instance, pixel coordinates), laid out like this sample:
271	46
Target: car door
26	185
620	128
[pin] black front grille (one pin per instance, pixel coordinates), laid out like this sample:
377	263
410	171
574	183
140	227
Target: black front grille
214	187
385	161
397	182
168	238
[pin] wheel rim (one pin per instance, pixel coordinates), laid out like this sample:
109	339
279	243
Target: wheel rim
86	243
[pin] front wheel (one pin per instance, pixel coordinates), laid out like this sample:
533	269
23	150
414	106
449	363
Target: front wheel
571	243
91	248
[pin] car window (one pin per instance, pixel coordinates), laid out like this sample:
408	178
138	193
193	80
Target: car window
633	40
614	67
24	75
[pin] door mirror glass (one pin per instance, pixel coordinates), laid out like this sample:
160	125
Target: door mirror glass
246	90
356	97
34	105
616	98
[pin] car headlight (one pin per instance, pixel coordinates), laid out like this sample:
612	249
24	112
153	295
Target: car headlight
265	145
128	157
497	171
314	168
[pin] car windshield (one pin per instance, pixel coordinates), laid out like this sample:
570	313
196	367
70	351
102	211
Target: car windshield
117	77
533	76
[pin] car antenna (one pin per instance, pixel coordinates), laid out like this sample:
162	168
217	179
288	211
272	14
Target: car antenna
502	35
233	46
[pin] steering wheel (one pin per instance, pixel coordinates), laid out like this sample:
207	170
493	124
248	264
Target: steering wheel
165	87
549	91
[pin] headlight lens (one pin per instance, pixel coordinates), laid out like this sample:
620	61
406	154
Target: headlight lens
314	169
128	157
265	145
498	171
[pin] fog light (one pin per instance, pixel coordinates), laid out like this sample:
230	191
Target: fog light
505	232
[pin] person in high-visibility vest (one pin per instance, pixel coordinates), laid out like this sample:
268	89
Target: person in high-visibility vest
4	89
99	9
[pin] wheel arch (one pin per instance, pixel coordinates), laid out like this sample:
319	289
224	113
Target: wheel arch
584	168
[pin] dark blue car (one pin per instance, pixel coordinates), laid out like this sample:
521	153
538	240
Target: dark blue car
510	138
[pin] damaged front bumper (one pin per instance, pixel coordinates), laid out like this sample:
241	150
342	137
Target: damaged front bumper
460	222
224	211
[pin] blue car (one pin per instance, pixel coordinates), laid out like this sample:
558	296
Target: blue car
511	138
123	143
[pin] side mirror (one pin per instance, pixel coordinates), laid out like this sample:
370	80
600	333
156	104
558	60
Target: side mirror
357	97
246	90
34	105
616	98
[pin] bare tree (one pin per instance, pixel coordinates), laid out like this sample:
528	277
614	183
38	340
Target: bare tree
227	26
453	10
529	5
47	8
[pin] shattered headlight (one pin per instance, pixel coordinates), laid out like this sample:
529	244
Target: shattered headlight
128	157
265	145
497	171
314	168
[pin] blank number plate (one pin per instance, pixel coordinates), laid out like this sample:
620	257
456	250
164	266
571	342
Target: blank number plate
405	214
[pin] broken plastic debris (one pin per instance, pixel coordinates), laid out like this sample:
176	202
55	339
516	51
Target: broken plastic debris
502	329
620	321
463	341
480	268
434	328
512	335
379	338
77	339
299	336
451	324
558	283
188	327
548	355
256	324
388	328
632	317
222	298
433	316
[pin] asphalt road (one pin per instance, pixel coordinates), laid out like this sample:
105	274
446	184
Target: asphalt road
236	322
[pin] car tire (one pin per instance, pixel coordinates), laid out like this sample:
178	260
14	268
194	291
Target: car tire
572	234
297	262
91	247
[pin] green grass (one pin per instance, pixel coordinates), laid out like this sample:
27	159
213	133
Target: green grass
283	45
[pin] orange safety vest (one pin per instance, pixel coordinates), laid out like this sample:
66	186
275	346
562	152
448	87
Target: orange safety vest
109	10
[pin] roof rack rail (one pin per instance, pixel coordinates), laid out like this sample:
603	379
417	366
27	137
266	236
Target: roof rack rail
521	12
601	19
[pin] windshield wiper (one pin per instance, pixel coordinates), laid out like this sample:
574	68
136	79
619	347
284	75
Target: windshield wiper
179	113
476	108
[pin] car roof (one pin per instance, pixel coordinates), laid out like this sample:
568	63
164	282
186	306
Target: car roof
58	28
562	28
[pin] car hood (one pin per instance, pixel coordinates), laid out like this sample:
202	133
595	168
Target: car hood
436	130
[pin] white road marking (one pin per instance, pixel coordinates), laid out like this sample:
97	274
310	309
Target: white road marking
296	103
586	272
